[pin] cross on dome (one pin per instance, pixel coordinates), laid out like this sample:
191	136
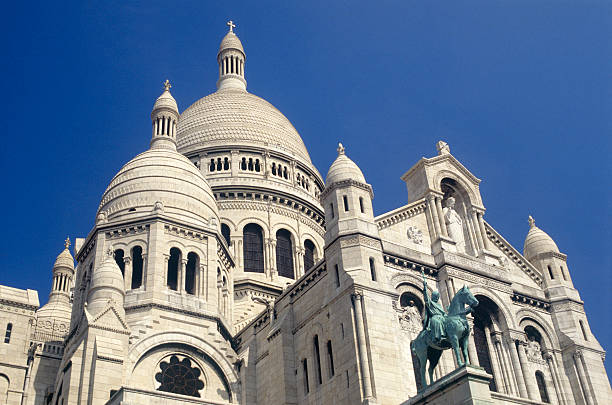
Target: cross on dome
231	25
167	85
67	243
531	221
340	149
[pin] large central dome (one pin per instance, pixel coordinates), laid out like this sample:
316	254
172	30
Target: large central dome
233	116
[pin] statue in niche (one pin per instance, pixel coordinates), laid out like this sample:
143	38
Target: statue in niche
534	351
410	319
454	224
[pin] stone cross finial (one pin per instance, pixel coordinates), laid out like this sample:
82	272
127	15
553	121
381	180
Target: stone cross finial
167	85
67	243
531	221
443	148
231	24
340	149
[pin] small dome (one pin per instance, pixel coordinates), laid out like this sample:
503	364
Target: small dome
159	180
343	168
106	284
231	41
165	101
64	259
537	242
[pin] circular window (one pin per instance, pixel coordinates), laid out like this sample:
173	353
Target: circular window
179	376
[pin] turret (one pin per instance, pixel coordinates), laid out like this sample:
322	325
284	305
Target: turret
543	253
106	285
347	200
63	274
164	117
231	59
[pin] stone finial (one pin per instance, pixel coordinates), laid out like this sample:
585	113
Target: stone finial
531	222
443	148
110	252
231	25
67	243
340	149
167	85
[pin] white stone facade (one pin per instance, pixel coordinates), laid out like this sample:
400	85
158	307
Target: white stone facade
222	269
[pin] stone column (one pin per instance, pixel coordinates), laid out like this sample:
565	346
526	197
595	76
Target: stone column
234	162
579	360
434	214
477	230
483	231
181	275
143	284
504	365
441	216
499	383
127	274
548	356
532	389
364	363
517	367
472	344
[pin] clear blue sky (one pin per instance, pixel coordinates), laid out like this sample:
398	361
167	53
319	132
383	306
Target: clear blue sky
521	90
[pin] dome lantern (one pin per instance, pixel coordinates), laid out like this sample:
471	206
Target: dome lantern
63	273
231	59
164	118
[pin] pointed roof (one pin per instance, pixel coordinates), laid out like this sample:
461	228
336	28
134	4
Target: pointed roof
343	168
64	259
165	100
231	40
537	242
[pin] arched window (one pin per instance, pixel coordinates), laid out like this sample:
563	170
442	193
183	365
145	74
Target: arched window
361	207
372	269
337	274
179	376
7	334
226	164
330	359
305	370
317	355
563	273
137	267
119	260
274	169
550	273
484	313
173	268
542	387
284	254
190	273
253	248
309	250
345	200
212	165
225	231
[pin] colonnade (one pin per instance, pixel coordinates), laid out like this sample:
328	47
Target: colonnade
62	282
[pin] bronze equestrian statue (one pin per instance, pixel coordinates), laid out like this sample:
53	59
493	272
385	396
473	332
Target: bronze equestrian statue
442	330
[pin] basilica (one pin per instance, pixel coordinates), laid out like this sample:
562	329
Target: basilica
222	268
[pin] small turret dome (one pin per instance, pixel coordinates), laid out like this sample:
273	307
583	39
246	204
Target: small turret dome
106	284
537	242
231	40
64	259
165	101
344	168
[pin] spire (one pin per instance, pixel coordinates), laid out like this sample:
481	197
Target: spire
164	117
231	59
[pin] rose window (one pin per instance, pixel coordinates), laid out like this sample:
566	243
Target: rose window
179	377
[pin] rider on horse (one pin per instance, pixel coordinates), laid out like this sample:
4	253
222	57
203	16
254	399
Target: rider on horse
434	314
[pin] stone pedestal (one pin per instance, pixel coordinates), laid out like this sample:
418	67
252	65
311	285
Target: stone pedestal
467	385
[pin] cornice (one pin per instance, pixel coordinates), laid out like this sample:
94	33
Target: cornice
400	214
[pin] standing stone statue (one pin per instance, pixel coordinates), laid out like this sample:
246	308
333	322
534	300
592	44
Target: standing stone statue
454	224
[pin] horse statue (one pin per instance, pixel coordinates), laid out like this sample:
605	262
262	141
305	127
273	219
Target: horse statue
443	330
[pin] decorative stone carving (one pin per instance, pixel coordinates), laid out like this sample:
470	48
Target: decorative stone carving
158	207
534	351
410	318
415	235
101	219
454	224
443	148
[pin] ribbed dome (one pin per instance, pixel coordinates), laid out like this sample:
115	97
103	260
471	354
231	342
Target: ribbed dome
231	41
537	242
344	168
160	180
64	259
236	117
